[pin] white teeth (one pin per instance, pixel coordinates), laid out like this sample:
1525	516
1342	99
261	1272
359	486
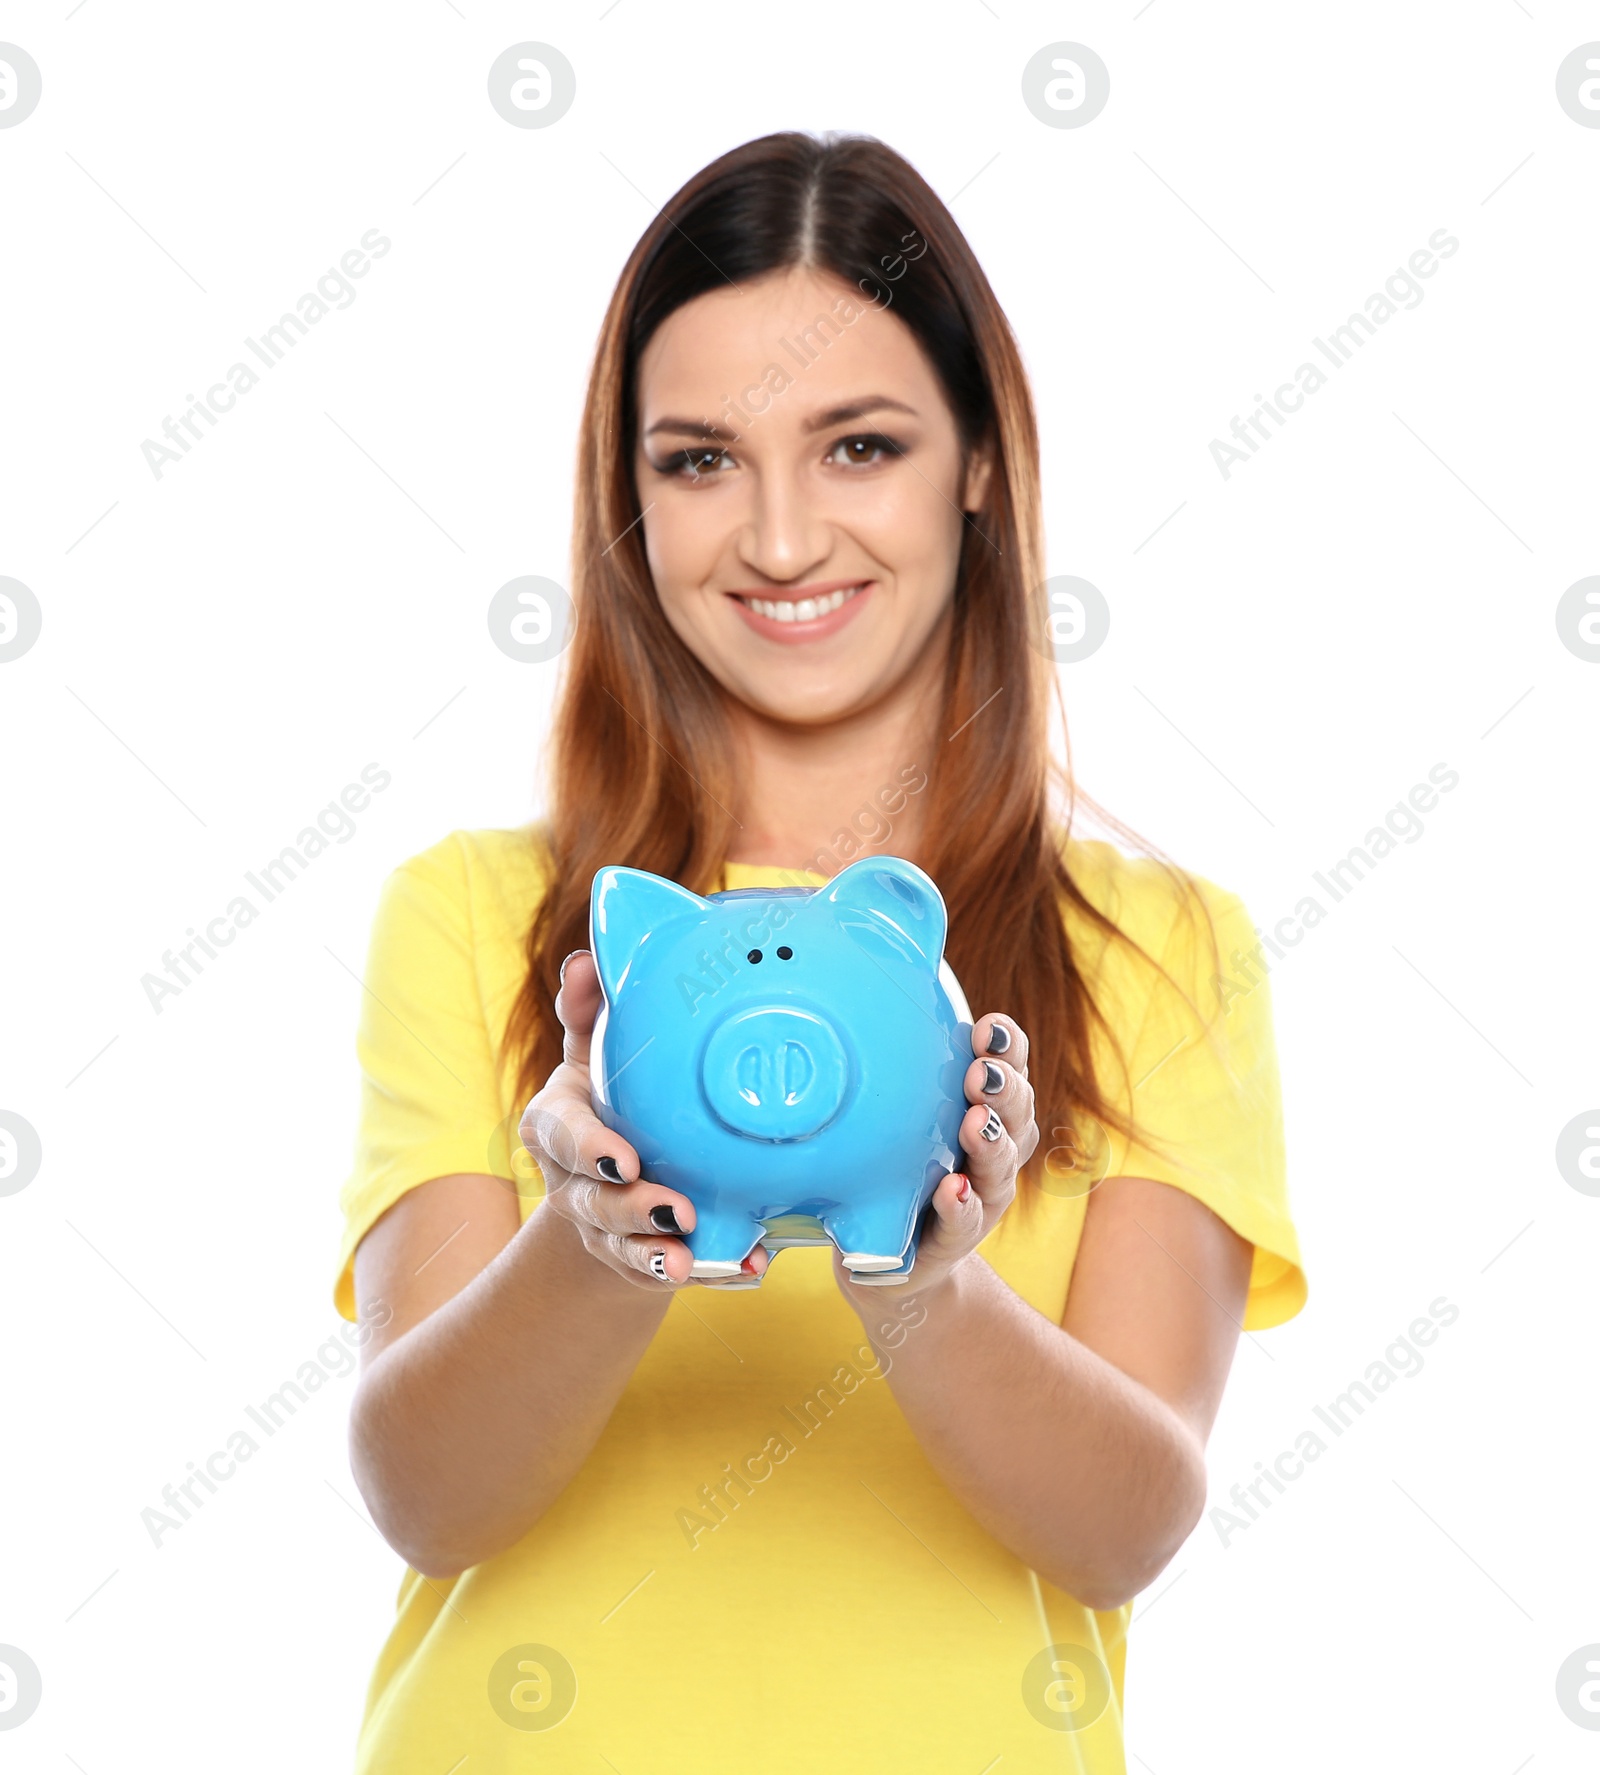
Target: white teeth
806	610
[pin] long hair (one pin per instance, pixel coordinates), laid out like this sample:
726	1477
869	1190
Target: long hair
641	760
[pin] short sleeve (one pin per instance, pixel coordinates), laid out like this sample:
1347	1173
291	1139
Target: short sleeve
1207	1100
429	1103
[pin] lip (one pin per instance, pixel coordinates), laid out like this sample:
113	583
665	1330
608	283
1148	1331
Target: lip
793	634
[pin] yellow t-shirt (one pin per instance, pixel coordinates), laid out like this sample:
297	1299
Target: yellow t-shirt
757	1566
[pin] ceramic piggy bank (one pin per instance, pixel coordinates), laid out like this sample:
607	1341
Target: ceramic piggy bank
790	1059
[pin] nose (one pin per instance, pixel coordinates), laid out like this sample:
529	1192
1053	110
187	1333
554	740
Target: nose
774	1072
785	537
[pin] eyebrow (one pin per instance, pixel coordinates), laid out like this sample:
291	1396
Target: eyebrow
871	403
840	415
695	428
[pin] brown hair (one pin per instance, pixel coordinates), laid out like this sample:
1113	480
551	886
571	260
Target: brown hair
641	762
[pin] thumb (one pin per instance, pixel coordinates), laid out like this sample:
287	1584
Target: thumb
578	1004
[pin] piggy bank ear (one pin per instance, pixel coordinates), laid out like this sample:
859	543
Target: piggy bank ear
894	901
625	907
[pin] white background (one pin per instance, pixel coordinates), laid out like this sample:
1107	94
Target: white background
224	648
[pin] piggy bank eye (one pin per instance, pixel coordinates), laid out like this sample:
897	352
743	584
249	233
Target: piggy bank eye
754	955
786	953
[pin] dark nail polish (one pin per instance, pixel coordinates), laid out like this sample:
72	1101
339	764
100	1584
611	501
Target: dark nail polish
993	1128
609	1169
999	1038
993	1078
664	1220
658	1265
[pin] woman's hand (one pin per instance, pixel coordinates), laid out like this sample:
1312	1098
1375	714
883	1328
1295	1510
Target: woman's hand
998	1135
591	1173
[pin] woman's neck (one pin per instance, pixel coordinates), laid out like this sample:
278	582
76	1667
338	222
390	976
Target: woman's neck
819	797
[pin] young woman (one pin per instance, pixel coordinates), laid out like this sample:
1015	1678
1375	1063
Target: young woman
826	1525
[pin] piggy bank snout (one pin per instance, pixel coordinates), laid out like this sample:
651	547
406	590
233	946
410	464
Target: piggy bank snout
774	1072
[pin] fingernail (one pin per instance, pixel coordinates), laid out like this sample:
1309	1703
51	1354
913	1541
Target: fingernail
964	1188
664	1220
609	1169
993	1128
999	1038
993	1078
658	1265
748	1266
564	965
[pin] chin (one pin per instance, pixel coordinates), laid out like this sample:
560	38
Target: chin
798	699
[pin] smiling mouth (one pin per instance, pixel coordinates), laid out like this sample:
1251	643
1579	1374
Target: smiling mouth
799	609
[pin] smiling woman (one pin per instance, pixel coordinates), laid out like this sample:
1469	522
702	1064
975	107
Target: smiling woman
799	596
874	486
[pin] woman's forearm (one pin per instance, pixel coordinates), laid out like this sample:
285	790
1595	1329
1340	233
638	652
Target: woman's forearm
1070	1463
466	1429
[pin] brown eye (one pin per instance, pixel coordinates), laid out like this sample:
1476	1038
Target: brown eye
785	953
754	955
865	450
692	463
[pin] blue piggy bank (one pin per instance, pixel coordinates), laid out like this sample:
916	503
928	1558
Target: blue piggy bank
790	1059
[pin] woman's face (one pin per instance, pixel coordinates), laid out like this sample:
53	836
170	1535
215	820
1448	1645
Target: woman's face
802	485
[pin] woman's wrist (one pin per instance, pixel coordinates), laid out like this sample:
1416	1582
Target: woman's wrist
555	1243
942	1297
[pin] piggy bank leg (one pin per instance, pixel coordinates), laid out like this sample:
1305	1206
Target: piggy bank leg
721	1241
870	1236
888	1278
